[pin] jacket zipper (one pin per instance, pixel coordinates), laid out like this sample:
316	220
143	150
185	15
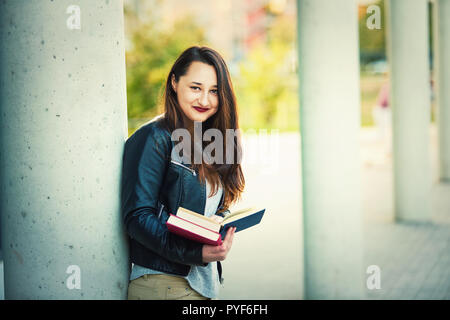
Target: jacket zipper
160	210
182	165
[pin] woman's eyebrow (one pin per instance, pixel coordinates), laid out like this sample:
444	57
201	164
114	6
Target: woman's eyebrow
199	83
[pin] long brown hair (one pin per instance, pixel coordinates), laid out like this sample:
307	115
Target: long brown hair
226	117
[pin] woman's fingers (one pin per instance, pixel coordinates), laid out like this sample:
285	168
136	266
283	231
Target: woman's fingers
229	236
225	247
219	253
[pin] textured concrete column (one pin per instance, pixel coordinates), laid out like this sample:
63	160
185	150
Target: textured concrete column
63	126
330	123
442	84
408	52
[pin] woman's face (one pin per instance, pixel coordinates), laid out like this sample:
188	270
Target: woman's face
197	92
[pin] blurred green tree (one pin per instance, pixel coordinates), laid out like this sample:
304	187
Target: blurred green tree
267	83
148	62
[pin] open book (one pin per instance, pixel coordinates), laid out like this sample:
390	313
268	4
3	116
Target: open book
197	227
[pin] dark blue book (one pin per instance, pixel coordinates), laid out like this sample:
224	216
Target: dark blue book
241	219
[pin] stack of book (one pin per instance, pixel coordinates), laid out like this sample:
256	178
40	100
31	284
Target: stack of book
197	227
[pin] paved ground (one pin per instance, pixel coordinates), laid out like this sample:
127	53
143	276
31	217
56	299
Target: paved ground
414	258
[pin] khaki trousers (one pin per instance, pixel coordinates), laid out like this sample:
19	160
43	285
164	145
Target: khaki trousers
162	287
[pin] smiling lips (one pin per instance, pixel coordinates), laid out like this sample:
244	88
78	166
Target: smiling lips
201	109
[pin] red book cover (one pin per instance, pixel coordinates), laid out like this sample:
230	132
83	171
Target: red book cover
192	231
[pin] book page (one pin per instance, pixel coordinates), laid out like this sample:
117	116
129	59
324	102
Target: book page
198	219
241	212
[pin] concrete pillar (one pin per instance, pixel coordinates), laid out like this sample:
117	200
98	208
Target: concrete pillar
442	84
408	54
63	125
330	124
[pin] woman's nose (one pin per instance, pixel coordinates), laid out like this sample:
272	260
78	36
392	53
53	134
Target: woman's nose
203	99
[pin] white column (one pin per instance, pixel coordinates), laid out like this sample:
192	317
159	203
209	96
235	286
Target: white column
442	84
408	54
330	124
63	126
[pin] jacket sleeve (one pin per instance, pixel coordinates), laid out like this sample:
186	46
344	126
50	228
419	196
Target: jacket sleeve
144	166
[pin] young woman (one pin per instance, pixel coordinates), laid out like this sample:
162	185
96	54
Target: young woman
156	181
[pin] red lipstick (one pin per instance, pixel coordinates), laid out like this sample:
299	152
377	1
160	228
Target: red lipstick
201	109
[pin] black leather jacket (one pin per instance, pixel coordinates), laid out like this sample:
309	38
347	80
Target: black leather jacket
154	185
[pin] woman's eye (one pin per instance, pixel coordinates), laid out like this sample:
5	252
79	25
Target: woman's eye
214	91
193	87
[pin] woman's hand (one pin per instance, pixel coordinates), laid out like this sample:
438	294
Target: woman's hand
218	253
